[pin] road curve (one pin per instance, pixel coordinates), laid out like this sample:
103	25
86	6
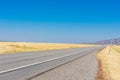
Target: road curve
25	66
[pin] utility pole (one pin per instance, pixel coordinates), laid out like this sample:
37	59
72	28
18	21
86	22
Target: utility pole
24	47
111	43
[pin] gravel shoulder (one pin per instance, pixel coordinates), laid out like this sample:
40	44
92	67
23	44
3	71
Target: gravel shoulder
84	68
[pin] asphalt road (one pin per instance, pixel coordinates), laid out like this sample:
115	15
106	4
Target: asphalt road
23	66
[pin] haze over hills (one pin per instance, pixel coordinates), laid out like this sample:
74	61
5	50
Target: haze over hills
115	41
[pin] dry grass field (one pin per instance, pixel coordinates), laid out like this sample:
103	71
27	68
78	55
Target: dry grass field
109	63
13	47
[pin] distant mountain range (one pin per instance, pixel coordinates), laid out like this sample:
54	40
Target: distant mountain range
110	41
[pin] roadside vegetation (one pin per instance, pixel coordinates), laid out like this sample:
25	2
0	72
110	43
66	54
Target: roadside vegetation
13	47
109	63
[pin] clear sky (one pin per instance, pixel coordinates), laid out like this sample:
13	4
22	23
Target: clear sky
70	21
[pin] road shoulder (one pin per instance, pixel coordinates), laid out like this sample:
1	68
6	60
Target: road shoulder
84	68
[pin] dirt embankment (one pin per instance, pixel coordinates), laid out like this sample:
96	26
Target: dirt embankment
109	64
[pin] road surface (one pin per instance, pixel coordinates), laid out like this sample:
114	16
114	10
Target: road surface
24	66
83	68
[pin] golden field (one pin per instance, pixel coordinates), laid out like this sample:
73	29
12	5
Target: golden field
109	63
12	47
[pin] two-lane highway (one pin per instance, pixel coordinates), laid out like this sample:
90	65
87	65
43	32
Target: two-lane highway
23	66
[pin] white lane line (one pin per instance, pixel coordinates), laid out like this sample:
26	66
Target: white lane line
17	68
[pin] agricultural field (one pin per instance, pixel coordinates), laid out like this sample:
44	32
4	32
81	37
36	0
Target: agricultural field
13	47
109	63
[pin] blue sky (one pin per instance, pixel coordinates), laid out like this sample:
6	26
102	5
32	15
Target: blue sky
70	21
